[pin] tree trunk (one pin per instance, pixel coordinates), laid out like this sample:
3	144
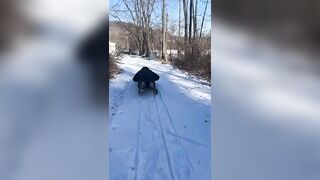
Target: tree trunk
190	20
167	37
204	14
195	21
164	28
185	12
179	26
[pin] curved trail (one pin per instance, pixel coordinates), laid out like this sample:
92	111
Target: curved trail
166	136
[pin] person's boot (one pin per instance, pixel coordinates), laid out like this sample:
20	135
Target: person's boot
140	91
142	85
152	85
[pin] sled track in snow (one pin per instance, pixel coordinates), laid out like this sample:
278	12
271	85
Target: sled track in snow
164	141
174	128
136	160
164	132
169	116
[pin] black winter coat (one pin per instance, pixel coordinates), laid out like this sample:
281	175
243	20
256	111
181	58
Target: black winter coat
145	75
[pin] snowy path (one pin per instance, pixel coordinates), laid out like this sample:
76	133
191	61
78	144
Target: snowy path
159	137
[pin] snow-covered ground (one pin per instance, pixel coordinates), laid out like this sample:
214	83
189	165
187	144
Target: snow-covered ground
166	136
266	109
265	120
48	128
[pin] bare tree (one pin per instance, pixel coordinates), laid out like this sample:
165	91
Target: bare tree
164	29
190	20
172	30
204	14
179	25
185	12
195	21
140	13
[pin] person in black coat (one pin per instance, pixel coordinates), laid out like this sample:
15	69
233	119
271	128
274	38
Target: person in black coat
146	79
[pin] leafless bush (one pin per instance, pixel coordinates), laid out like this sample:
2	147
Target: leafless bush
14	22
195	58
113	68
198	64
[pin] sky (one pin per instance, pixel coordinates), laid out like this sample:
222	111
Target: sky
172	10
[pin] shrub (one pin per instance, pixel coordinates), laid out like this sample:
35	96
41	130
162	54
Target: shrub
198	64
113	68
